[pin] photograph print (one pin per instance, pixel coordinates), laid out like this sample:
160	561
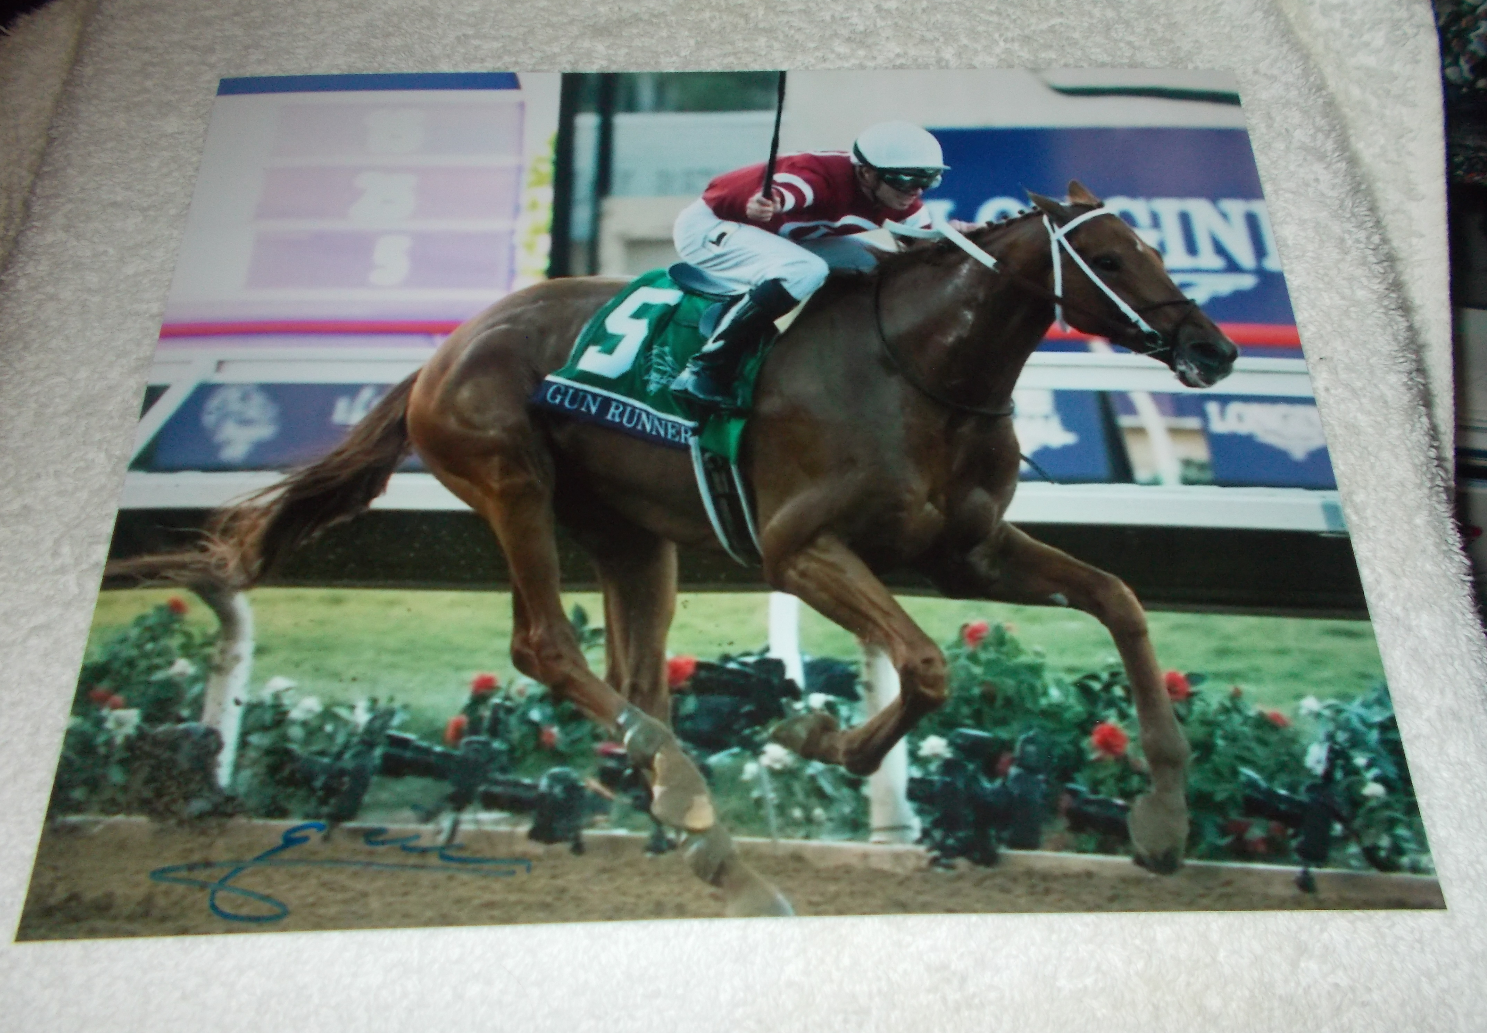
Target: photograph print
628	496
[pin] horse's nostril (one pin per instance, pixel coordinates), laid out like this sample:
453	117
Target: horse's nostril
1214	351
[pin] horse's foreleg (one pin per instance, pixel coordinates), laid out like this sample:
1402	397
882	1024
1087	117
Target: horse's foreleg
1027	571
834	581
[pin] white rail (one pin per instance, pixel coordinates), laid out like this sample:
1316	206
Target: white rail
1186	505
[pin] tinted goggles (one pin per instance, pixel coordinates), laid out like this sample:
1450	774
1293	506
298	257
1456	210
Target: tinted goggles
911	179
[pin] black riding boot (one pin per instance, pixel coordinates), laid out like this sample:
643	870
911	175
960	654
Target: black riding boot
708	377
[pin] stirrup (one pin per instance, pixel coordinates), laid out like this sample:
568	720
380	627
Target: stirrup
686	386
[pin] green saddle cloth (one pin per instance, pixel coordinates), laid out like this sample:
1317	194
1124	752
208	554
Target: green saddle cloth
620	371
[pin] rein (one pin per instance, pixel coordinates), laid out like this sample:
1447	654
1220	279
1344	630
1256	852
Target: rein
996	414
999	413
1157	343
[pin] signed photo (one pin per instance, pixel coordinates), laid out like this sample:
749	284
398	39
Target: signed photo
622	496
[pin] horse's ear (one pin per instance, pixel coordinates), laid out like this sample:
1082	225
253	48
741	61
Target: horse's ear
1059	212
1079	195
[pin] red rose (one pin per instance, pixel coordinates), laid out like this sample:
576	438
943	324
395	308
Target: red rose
972	634
176	605
100	695
1004	765
483	684
454	731
679	670
1276	718
1109	740
548	737
1278	831
114	702
1178	687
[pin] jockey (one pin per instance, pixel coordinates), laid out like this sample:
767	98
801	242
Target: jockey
777	251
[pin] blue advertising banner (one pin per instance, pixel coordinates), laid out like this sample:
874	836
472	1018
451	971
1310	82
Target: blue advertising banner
1064	432
1193	194
1262	441
385	81
242	427
222	427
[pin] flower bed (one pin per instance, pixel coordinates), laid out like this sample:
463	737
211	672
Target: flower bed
1041	740
149	676
1351	750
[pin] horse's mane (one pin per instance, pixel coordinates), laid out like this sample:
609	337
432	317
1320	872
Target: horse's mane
941	250
929	253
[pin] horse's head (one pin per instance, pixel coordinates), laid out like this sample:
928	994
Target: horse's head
1113	284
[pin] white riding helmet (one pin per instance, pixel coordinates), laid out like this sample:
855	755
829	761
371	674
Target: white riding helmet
901	147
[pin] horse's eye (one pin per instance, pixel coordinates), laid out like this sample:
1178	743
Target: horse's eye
1106	263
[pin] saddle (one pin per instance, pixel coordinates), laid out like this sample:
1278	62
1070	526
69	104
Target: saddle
704	285
619	376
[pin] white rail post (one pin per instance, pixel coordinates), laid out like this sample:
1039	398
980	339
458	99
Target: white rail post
1163	451
890	817
226	690
784	635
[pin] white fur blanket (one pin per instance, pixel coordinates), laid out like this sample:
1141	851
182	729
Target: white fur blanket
1343	103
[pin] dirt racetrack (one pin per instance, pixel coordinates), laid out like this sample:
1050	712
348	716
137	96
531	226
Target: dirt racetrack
93	879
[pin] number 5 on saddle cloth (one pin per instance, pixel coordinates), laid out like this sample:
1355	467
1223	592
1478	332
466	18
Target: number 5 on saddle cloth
619	376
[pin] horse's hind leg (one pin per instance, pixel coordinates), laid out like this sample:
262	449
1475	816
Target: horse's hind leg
506	485
1031	572
637	572
515	500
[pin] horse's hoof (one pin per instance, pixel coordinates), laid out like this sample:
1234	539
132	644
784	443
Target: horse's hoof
755	898
1162	864
659	843
1159	833
679	796
815	736
713	859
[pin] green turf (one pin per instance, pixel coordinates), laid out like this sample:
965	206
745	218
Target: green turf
422	647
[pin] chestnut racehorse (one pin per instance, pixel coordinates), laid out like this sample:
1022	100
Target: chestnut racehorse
881	438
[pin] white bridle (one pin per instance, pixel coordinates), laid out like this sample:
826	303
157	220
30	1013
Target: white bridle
1058	240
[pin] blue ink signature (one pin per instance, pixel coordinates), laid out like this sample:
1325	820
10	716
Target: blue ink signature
452	862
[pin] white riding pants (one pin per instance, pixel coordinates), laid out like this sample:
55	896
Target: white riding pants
744	256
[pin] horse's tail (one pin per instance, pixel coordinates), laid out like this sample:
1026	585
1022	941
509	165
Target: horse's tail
247	541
